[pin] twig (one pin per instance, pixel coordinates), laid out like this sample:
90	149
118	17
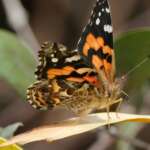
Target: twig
18	20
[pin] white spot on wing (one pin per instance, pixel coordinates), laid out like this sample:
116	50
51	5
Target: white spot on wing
27	91
49	86
108	28
76	50
28	96
62	49
99	2
107	10
52	55
37	82
40	63
30	101
54	60
97	21
34	106
36	76
99	14
36	70
73	58
40	58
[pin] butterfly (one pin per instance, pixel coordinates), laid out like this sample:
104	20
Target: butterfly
81	80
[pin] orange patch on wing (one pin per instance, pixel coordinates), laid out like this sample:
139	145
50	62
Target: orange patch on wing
97	62
107	49
56	101
100	41
40	99
67	69
55	86
92	41
86	47
52	73
108	67
96	44
92	80
74	79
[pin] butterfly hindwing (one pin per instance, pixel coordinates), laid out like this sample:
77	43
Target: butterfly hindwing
96	42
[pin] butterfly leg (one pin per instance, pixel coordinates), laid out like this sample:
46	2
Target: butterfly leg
108	115
118	106
108	108
109	103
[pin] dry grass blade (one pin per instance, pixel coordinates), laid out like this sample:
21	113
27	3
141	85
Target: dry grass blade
74	126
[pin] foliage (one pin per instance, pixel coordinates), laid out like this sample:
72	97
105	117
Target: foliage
17	62
9	131
11	147
132	48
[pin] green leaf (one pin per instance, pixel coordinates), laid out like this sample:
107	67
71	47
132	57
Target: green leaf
9	131
17	62
11	147
132	48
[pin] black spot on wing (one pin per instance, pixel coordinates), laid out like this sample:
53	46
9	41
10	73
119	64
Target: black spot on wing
101	55
109	59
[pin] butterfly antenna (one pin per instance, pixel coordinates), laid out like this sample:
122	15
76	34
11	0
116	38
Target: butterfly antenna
125	94
135	67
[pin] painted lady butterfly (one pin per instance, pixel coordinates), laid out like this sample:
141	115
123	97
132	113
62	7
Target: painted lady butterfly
82	80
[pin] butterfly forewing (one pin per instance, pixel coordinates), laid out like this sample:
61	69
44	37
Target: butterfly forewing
96	42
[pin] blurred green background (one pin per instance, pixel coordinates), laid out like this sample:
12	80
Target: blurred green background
25	24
